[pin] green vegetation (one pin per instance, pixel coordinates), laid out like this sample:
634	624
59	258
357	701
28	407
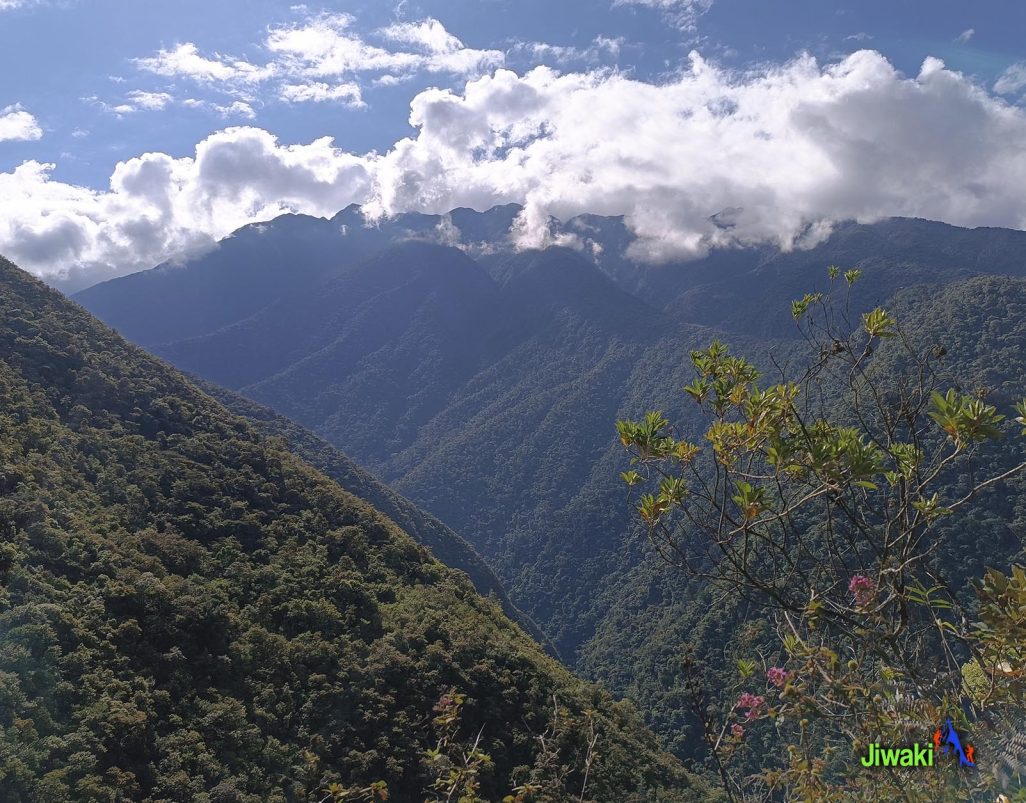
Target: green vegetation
425	529
820	497
485	393
189	612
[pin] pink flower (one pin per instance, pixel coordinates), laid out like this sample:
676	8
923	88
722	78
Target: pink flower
737	730
777	676
753	702
749	700
862	588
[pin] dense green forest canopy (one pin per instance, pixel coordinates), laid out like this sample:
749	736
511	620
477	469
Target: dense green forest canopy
836	497
189	612
445	544
978	327
484	389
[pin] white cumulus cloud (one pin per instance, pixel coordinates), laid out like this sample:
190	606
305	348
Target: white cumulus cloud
708	159
18	124
184	60
149	101
347	93
159	207
428	33
319	59
326	46
788	150
237	108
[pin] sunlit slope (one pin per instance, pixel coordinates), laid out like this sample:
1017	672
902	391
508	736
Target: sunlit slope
187	609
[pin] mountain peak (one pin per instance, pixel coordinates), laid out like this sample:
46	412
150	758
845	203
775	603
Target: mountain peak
350	214
490	226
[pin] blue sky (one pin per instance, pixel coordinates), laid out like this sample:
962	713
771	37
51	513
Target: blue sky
64	60
91	85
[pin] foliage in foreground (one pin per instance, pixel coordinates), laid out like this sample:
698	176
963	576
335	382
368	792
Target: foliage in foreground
820	499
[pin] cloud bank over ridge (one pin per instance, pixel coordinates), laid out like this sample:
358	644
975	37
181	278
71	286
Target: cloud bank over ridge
706	159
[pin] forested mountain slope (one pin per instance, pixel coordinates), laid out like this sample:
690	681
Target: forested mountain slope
445	544
657	615
489	399
262	263
189	612
734	290
386	341
243	274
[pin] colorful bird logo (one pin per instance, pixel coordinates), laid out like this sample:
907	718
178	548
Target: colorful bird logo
953	744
